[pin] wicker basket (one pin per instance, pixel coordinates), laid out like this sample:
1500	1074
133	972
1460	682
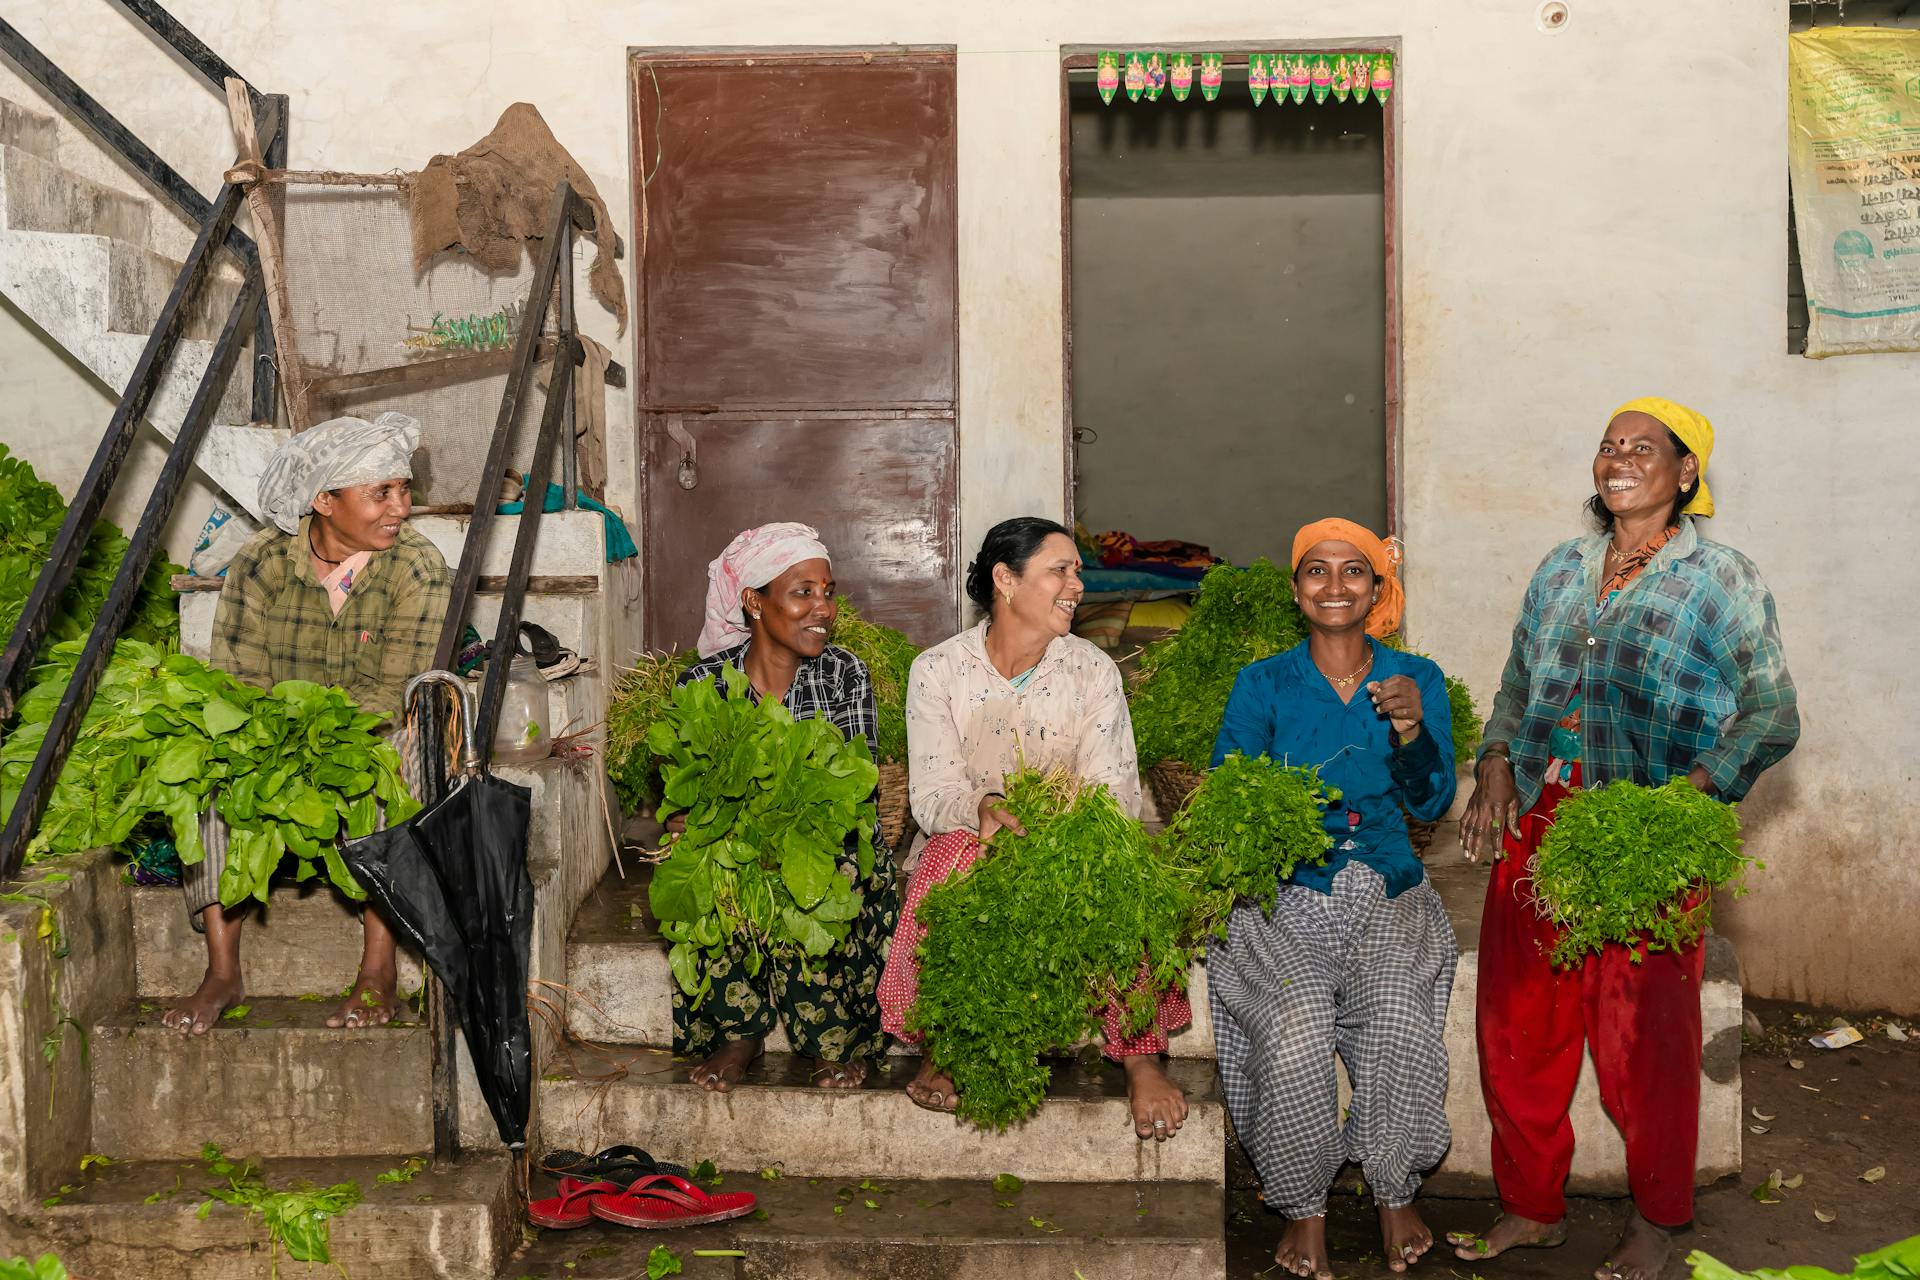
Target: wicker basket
1171	782
896	815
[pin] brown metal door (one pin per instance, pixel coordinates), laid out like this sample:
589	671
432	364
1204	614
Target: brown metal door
796	344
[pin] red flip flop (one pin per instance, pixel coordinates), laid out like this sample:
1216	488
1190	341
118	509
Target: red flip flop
663	1200
573	1207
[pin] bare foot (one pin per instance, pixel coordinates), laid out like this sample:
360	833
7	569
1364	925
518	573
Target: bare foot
371	1002
196	1014
1509	1231
1303	1249
1641	1254
1404	1236
932	1090
839	1075
726	1068
1159	1106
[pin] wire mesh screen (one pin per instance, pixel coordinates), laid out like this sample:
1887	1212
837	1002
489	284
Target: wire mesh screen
374	336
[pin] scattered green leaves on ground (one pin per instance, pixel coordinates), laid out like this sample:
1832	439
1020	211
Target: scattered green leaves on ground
1008	1184
1630	864
94	1160
1242	831
410	1168
1025	950
770	804
1180	694
297	1218
888	655
294	767
1900	1261
663	1261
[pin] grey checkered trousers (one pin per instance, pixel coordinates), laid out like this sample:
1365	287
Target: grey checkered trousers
1353	971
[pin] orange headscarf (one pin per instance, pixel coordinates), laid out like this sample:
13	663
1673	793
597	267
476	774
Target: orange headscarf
1384	555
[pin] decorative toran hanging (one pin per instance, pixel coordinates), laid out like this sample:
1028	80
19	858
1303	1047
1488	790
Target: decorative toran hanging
1148	73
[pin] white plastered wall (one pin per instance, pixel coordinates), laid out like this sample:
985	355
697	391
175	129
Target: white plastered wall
1585	215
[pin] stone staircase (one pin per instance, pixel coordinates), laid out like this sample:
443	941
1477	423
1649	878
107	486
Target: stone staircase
79	260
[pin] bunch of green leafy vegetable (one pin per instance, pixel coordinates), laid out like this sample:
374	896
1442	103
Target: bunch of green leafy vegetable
1631	864
1898	1261
770	804
1026	948
888	656
1466	720
31	512
638	700
294	768
297	1219
1180	694
1244	829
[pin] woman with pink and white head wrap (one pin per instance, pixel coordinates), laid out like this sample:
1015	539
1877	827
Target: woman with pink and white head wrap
770	613
752	560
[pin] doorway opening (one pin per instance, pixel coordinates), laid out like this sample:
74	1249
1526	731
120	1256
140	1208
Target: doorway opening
1231	343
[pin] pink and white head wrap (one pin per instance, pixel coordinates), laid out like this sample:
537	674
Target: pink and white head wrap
753	559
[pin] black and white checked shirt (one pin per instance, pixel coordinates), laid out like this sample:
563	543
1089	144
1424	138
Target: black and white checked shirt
834	687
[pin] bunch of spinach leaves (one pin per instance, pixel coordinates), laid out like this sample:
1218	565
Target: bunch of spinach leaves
294	768
1632	865
770	804
1025	950
1244	829
31	512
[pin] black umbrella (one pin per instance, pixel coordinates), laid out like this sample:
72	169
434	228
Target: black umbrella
453	879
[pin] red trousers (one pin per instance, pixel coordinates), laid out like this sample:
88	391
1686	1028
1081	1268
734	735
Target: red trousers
1642	1021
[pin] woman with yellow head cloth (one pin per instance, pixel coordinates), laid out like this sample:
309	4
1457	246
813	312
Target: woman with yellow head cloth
1356	955
1644	652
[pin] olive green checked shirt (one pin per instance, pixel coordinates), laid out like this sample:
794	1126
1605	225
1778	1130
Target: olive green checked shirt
274	622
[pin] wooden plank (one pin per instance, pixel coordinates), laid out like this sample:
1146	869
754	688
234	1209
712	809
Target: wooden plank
551	584
477	364
266	234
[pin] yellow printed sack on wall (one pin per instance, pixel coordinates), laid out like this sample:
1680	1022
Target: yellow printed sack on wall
1854	158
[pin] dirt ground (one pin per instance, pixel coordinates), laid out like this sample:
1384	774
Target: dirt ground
1831	1115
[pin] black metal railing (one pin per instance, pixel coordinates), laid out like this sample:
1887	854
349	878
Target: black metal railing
215	221
270	111
552	290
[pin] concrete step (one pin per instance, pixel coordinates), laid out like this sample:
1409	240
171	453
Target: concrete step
621	992
36	194
139	281
928	1230
29	131
457	1222
306	942
595	1096
278	1082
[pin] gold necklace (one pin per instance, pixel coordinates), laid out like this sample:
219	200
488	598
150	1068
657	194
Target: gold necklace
1343	682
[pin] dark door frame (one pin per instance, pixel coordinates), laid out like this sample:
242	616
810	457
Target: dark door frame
1086	58
639	60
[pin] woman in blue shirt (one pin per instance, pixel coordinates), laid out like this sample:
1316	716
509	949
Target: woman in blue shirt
1357	955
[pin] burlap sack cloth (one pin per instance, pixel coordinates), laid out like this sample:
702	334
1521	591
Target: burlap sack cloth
496	196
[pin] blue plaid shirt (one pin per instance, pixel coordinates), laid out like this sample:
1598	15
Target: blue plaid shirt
1684	668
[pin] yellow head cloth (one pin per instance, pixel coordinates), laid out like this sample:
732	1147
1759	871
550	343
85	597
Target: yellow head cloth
1694	431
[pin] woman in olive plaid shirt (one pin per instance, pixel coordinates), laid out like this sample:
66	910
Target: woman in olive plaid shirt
1643	652
340	592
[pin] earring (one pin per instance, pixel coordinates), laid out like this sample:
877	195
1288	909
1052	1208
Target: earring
756	615
1007	596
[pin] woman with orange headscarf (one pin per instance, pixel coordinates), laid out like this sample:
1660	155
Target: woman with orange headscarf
1644	653
1356	955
